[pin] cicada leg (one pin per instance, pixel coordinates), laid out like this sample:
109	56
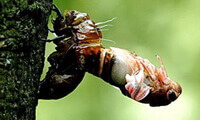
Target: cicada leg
57	10
59	85
62	77
55	39
50	30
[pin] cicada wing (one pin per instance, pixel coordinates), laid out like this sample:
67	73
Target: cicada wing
142	93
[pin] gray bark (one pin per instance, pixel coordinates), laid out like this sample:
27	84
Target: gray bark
22	25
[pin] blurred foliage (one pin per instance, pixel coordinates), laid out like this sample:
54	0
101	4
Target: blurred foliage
169	28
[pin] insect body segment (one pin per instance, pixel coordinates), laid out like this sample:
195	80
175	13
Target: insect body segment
79	49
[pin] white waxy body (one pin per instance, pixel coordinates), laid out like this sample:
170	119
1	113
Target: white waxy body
122	65
119	71
128	71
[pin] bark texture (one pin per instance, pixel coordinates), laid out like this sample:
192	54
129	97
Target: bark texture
22	24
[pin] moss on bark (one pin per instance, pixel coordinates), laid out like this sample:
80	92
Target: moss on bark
22	24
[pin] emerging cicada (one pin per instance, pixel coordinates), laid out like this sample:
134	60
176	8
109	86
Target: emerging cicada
79	50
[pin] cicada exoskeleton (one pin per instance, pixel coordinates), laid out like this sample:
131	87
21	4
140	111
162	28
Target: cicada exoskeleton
79	50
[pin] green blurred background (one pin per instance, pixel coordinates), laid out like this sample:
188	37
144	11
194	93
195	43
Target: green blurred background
169	28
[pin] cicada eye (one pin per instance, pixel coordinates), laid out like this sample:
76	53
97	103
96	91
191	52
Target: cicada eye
171	95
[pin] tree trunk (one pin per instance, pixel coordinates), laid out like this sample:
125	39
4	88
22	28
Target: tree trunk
22	25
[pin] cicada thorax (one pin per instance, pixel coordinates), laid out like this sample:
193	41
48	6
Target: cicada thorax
151	73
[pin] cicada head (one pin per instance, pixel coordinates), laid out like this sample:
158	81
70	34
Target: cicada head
164	95
163	89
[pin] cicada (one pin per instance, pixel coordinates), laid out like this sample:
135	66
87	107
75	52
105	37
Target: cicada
80	50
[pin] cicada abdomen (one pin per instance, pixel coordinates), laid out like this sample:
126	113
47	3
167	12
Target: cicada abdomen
79	45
